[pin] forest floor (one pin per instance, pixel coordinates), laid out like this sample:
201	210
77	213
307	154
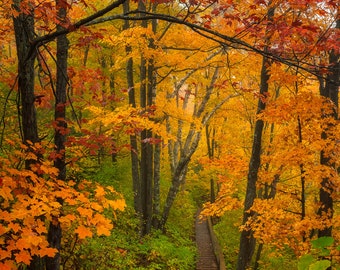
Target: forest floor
206	257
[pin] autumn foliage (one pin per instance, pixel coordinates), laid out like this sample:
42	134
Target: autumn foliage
154	79
31	199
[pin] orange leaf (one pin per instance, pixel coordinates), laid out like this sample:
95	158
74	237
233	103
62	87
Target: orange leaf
85	211
103	230
96	206
23	257
118	204
6	193
49	252
5	254
8	265
100	192
83	232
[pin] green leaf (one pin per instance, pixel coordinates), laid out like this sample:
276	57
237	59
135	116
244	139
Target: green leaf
320	265
322	242
305	261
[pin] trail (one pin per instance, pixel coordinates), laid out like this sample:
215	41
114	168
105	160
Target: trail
206	257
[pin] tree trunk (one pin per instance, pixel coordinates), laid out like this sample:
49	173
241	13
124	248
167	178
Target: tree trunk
24	34
54	232
177	178
156	184
247	241
147	91
179	168
329	89
146	159
136	186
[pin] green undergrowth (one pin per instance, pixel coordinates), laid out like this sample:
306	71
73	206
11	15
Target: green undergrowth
124	248
228	235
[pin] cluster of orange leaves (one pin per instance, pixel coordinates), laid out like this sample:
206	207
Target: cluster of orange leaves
30	200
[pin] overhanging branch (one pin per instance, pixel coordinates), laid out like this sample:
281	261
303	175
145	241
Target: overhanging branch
223	40
49	37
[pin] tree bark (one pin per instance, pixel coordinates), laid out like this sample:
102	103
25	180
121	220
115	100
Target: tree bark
136	185
24	34
54	232
146	158
156	184
247	240
330	90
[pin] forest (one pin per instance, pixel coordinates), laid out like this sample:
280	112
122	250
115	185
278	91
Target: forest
120	119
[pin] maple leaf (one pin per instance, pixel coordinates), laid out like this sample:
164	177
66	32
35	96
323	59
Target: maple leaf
23	257
49	252
7	265
96	206
14	226
100	192
85	211
118	204
4	254
103	230
40	227
83	232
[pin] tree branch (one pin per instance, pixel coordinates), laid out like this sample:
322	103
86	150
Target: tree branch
46	38
224	40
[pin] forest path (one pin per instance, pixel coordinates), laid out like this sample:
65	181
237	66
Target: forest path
206	257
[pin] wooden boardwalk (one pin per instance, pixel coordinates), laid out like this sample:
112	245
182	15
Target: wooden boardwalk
206	258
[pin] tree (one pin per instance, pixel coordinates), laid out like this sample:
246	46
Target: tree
54	232
329	88
24	33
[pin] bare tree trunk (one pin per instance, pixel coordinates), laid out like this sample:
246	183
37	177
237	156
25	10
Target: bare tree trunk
329	89
211	144
136	186
176	182
54	232
156	184
146	158
24	34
